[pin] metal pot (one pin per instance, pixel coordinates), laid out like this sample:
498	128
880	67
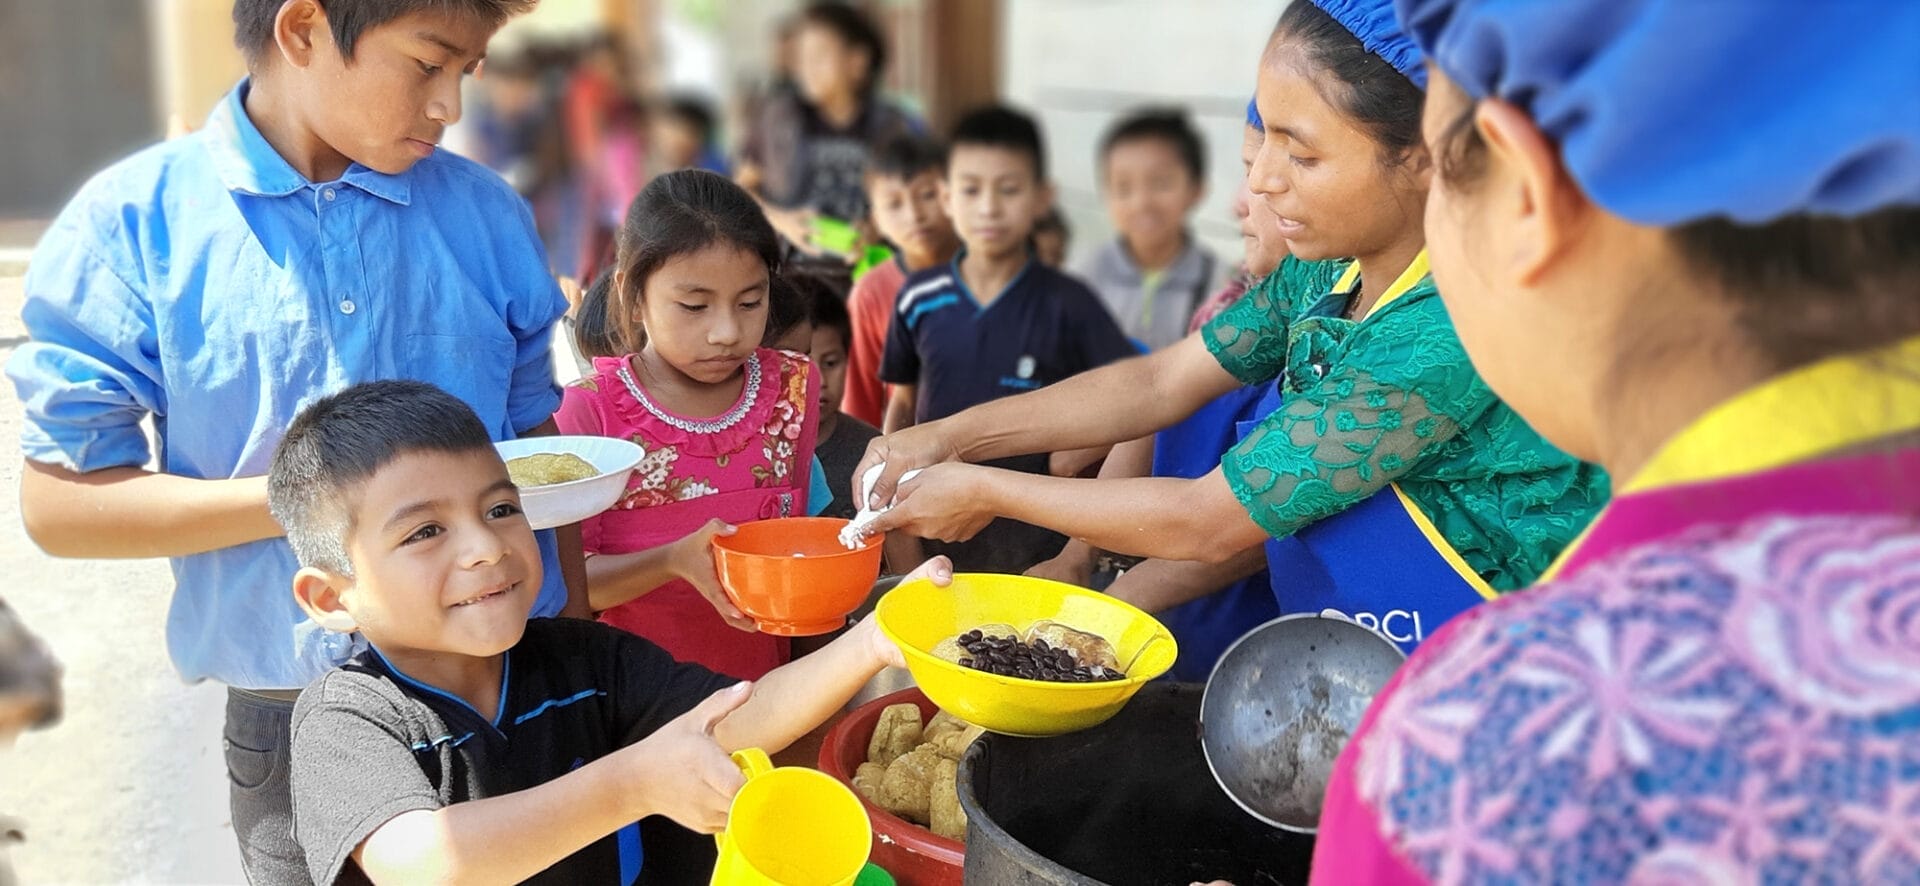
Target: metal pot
1282	703
1127	803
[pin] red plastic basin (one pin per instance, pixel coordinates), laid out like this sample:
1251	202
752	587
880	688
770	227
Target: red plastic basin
914	855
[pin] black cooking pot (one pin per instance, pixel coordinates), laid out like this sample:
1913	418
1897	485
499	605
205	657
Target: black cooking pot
1127	803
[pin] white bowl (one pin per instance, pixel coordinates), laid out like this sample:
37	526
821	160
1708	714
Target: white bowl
575	500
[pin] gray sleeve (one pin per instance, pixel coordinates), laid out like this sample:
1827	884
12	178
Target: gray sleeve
354	769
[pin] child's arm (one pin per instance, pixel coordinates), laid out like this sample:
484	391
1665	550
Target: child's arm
573	561
901	549
900	406
130	512
794	698
678	771
613	579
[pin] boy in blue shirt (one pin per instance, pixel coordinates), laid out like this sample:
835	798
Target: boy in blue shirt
310	236
467	743
994	321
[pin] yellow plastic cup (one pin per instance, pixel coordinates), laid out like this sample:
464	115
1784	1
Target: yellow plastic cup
791	827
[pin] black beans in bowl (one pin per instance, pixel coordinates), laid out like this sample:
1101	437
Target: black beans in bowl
1012	657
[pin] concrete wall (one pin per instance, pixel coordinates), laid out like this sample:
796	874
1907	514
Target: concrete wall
1080	64
76	92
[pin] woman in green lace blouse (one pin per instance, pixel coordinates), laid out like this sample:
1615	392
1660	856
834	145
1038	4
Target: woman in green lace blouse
1387	481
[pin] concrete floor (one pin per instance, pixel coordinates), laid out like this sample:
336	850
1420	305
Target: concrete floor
129	787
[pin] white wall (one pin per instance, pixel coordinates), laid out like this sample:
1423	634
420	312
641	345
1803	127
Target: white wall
1080	64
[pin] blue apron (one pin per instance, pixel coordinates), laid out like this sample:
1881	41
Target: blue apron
1380	563
1205	627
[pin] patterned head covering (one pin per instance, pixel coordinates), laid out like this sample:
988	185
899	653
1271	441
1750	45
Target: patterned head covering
1379	31
1669	111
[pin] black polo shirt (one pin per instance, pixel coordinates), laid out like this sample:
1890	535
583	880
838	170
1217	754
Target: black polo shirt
370	743
1045	327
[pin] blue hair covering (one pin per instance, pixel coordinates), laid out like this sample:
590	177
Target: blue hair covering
1669	111
1253	117
1379	31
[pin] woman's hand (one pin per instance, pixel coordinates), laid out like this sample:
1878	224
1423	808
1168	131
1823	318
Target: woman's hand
948	502
691	559
907	449
1073	565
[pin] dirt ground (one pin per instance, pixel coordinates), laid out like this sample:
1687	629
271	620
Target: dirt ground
129	787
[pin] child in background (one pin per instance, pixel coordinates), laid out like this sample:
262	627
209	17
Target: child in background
468	744
1154	274
728	426
903	193
994	321
1052	238
309	237
683	136
29	680
806	150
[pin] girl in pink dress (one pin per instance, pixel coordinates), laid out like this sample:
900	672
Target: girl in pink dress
728	427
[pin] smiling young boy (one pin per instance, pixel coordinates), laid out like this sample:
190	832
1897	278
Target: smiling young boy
1154	274
466	743
994	321
308	237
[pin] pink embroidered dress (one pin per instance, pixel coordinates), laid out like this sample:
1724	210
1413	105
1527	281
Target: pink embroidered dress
750	463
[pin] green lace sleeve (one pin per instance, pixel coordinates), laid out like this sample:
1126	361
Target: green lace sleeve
1249	338
1402	389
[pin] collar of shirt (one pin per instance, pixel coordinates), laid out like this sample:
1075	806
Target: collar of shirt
246	162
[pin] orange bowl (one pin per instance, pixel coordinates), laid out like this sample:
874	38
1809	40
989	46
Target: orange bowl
792	576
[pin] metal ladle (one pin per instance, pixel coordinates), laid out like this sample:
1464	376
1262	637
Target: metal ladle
1281	704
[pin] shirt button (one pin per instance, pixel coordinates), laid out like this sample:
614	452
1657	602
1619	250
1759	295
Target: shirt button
328	193
346	306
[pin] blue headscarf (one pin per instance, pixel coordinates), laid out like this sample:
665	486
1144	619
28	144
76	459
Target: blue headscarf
1379	31
1669	111
1253	117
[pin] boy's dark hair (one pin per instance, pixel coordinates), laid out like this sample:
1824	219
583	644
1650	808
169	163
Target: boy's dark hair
854	29
830	312
692	111
348	19
344	439
679	213
1053	221
1165	124
905	156
1361	85
998	126
28	669
786	308
592	334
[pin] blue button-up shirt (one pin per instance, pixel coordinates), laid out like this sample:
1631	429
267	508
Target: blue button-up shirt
205	282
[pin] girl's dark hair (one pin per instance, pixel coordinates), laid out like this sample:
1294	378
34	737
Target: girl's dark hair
1364	88
592	333
1806	286
676	214
854	29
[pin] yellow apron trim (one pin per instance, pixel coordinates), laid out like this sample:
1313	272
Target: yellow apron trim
1825	407
1441	547
1416	271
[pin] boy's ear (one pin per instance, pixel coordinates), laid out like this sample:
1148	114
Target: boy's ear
318	591
299	29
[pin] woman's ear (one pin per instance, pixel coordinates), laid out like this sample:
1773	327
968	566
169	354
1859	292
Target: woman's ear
1551	210
319	593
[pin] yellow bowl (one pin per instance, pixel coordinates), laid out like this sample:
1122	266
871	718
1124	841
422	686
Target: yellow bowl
917	616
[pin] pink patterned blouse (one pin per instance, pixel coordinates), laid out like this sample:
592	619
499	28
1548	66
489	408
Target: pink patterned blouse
750	463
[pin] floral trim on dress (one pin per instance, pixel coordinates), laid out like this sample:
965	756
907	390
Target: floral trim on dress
1738	706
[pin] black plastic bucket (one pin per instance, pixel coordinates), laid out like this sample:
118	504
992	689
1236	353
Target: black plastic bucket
1127	803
